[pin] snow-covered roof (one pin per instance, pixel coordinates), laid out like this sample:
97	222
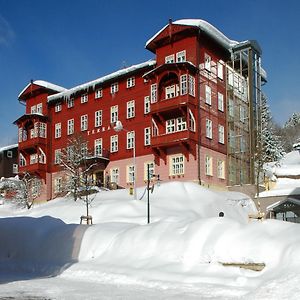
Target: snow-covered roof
205	27
67	93
44	84
9	147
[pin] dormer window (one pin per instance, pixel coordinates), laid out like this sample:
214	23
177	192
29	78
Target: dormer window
130	82
170	59
181	56
98	93
57	107
114	88
84	98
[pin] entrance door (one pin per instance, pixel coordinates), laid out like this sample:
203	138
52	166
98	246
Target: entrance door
99	178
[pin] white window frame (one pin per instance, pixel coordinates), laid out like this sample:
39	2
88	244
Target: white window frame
177	165
22	160
207	62
220	102
114	88
192	85
115	175
84	98
98	93
147	136
170	126
114	143
130	82
42	129
57	107
221	130
98	147
147	105
151	169
15	169
220	71
208	165
114	114
130	139
170	59
192	124
33	159
181	124
39	108
221	169
207	94
153	93
84	122
183	84
33	109
130	109
98	118
70	102
42	156
57	156
170	91
9	154
181	56
209	129
58	185
57	130
130	176
70	126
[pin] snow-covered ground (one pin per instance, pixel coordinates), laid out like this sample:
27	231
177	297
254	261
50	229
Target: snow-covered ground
179	255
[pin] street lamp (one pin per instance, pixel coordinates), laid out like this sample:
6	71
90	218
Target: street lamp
119	127
148	190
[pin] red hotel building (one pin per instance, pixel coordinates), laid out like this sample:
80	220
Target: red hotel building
183	112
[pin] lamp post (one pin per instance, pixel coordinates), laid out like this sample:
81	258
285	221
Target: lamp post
148	190
119	127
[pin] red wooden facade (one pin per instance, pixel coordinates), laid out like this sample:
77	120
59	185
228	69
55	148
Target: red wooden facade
175	83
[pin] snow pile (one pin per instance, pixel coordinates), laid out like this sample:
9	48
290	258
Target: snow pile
186	241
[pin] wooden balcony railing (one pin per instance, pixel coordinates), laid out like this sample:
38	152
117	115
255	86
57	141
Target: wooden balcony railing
32	143
172	138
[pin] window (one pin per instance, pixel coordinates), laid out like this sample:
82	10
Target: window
177	165
130	82
209	128
207	62
170	126
114	114
147	136
155	130
57	107
130	109
57	156
98	93
230	77
98	147
39	108
70	129
130	139
33	159
33	109
98	118
221	169
70	102
84	98
221	134
57	130
192	122
153	93
169	59
151	170
192	85
84	149
20	134
22	160
208	95
58	185
15	169
183	85
130	174
170	91
42	156
146	105
220	101
70	152
43	129
114	175
84	122
9	154
230	108
180	124
181	56
114	143
242	114
208	165
114	88
35	187
220	69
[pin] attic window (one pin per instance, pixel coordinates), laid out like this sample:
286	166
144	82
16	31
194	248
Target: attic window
9	154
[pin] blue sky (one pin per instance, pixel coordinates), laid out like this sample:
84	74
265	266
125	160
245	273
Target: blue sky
70	42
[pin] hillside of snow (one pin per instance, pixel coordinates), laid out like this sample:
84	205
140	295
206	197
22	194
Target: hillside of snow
183	247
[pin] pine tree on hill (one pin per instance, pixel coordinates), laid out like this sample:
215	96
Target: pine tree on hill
293	121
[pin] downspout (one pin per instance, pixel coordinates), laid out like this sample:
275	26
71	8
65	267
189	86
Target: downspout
199	113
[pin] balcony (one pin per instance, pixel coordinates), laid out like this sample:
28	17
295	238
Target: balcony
37	168
171	139
32	143
173	104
